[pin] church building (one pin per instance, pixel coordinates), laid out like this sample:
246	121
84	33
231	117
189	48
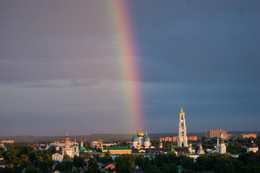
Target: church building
68	147
141	140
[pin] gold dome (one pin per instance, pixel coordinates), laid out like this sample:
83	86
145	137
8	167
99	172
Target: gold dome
140	133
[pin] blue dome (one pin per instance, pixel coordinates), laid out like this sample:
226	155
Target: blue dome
146	138
135	138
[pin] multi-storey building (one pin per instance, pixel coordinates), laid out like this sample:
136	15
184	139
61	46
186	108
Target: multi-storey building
215	133
249	135
175	138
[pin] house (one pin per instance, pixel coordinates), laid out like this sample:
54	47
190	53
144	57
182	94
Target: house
58	157
252	147
110	167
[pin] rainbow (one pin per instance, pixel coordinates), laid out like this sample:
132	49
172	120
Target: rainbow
127	57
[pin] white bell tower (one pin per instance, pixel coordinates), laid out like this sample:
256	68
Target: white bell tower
222	149
182	136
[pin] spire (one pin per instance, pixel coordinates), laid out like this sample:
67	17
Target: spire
67	134
181	109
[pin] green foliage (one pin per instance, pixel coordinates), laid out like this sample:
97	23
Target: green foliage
107	154
235	147
64	167
92	164
169	168
60	167
1	152
6	170
32	169
87	146
140	161
168	144
84	155
152	169
93	171
78	161
99	150
66	157
52	149
155	143
45	166
124	163
106	159
219	163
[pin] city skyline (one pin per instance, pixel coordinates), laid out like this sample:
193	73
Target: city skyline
61	68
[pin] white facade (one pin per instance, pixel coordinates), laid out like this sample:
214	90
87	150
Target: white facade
57	157
221	146
68	147
71	149
201	151
253	147
182	136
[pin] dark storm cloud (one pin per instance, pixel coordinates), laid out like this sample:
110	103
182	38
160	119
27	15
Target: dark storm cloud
59	62
199	41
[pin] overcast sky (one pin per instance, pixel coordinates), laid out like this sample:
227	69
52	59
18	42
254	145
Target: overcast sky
59	70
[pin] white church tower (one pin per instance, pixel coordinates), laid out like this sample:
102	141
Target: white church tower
182	137
221	148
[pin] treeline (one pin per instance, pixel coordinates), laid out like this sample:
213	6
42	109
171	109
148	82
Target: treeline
22	158
169	163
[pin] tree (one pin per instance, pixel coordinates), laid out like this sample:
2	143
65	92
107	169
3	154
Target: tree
84	155
52	149
33	157
45	166
122	166
152	169
107	154
93	171
6	170
32	169
169	168
67	158
78	161
140	161
99	150
24	158
92	163
60	167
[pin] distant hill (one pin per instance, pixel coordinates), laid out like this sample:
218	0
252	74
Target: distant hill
105	137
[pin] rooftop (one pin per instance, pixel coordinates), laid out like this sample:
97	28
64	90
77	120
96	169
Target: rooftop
117	148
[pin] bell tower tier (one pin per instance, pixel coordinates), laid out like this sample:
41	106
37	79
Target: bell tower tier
182	136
